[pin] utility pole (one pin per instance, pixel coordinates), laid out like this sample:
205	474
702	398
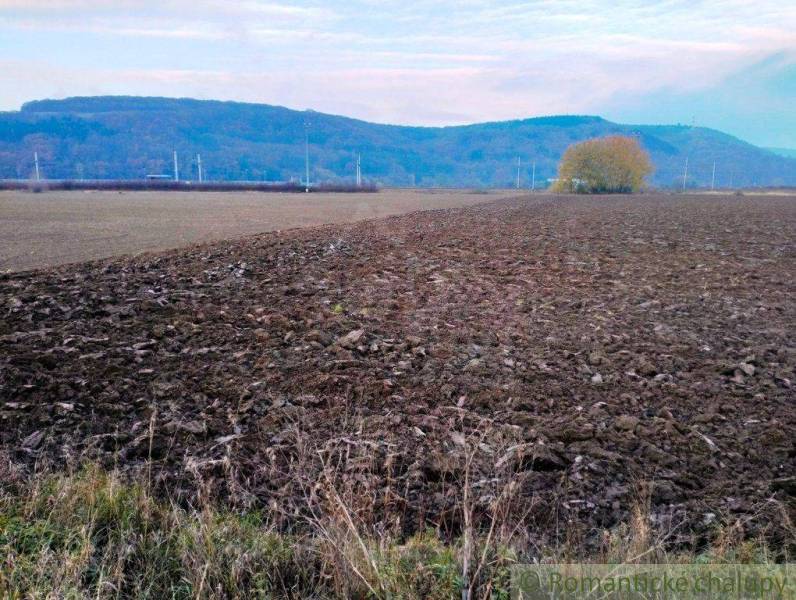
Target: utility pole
713	176
36	163
199	166
306	155
359	170
176	168
518	172
685	172
533	176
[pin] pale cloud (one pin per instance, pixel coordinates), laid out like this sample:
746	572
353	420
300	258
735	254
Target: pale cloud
130	28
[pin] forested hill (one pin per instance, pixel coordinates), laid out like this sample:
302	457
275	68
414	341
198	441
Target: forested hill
130	137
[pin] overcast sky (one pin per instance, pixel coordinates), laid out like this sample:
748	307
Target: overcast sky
724	64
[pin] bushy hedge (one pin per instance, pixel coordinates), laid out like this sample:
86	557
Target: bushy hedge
614	164
183	186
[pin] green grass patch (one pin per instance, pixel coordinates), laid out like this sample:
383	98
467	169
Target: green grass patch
93	535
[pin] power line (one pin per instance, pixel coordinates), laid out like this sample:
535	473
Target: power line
685	172
306	155
518	172
713	176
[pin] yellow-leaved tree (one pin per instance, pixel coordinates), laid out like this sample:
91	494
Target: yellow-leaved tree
613	164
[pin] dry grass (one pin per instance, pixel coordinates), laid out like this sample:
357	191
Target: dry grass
96	534
90	535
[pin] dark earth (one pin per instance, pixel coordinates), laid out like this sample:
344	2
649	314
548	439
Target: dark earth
554	362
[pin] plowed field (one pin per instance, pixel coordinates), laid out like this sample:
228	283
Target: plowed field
567	357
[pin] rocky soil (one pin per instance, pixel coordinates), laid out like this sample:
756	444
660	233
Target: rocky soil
551	362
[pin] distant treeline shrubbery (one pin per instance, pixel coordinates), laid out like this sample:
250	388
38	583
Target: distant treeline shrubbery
177	186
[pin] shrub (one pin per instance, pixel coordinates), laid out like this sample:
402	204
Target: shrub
614	164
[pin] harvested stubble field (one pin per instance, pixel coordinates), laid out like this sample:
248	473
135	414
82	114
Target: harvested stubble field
547	363
53	228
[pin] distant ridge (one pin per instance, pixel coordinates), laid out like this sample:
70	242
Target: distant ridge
789	152
128	137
